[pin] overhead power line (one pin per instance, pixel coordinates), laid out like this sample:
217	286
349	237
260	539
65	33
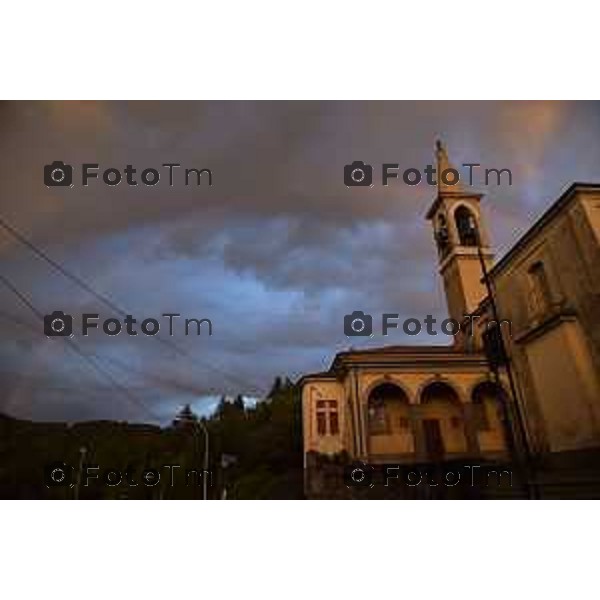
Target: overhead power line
115	307
76	348
160	380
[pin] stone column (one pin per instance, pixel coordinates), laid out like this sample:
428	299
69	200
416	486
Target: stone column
356	415
417	430
361	409
468	411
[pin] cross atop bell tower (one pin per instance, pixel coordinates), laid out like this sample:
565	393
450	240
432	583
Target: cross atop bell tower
458	231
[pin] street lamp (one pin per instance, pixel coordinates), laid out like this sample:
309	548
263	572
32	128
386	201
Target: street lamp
201	423
82	453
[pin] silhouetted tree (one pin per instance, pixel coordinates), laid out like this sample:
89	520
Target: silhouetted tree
238	403
185	417
276	387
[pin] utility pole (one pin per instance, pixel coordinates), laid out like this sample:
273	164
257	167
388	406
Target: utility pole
519	418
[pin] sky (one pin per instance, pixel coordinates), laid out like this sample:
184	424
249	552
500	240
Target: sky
274	253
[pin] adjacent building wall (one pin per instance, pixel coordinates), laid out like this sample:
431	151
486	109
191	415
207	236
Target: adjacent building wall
550	291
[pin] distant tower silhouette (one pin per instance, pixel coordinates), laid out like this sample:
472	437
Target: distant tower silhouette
458	227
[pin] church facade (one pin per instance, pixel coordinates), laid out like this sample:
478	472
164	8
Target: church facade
522	374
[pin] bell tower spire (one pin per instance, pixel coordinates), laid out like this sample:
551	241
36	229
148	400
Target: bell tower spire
458	230
448	184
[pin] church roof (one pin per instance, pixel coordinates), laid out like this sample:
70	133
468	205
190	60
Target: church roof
319	375
404	355
556	208
415	353
419	357
404	349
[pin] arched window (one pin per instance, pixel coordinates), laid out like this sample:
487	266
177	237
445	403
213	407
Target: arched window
438	391
541	295
442	419
387	410
442	237
466	226
487	398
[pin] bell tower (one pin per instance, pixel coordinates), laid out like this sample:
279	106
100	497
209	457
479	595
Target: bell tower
460	235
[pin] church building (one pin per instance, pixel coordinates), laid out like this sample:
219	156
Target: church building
522	376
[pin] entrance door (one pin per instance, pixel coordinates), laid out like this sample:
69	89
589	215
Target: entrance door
434	442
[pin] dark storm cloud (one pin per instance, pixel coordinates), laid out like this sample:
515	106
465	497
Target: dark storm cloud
275	252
